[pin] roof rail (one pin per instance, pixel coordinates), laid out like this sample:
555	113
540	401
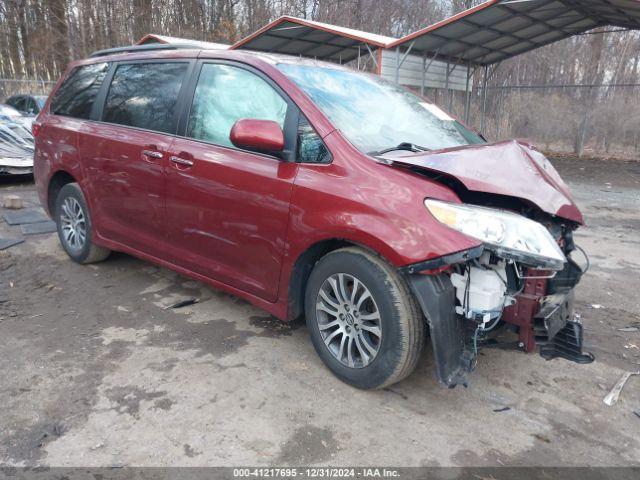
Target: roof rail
144	48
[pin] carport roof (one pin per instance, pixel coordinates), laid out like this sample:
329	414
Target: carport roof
152	38
296	36
499	29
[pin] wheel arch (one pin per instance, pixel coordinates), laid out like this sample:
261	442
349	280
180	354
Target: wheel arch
304	264
58	180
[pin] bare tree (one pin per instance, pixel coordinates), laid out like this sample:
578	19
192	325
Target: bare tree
39	37
142	17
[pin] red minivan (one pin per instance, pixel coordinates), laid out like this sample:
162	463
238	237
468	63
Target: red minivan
314	190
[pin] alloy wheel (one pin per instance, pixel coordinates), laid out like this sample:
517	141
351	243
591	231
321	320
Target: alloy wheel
73	223
349	320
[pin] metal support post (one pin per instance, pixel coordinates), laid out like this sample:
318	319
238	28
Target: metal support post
467	96
372	55
446	86
424	73
397	65
484	98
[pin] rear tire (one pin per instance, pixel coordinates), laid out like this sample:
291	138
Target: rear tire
75	229
371	337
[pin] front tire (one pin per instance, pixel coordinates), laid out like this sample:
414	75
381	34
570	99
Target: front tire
363	320
74	226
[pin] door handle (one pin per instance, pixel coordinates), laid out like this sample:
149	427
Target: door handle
181	161
152	153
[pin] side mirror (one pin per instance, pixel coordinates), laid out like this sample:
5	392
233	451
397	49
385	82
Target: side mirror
258	135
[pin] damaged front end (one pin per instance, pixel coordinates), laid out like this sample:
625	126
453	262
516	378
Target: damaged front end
524	285
521	275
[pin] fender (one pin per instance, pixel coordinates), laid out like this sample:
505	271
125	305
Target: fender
296	268
59	153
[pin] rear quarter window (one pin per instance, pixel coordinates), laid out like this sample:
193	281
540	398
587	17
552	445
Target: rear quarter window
76	95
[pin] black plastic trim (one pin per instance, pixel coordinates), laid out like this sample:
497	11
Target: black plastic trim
567	344
101	96
146	48
437	298
450	259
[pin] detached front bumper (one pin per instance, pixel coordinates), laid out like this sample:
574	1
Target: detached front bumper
542	314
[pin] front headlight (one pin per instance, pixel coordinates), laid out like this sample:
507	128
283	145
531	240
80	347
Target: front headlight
508	234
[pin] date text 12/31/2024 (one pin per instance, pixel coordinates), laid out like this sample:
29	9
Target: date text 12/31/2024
315	472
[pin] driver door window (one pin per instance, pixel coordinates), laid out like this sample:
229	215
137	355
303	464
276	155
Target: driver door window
225	94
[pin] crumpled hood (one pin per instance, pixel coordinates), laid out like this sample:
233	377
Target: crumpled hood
512	168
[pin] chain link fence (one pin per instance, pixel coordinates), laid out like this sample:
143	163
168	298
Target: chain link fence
599	120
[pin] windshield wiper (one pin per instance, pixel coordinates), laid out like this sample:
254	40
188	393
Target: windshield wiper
410	147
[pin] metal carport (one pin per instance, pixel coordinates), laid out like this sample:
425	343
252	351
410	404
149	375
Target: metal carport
500	29
307	38
480	37
153	38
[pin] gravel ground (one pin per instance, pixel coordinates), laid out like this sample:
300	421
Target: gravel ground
96	371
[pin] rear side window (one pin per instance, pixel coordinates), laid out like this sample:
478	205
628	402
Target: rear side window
145	95
75	96
224	95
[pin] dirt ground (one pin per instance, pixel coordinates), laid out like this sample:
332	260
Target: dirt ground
96	371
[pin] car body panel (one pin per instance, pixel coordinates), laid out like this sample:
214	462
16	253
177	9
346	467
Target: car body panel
236	232
358	199
512	168
57	150
129	182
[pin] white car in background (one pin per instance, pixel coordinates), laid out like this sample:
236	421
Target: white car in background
9	112
16	142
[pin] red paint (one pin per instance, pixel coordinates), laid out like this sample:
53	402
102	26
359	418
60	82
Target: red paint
525	308
236	219
227	215
513	168
152	37
359	36
35	129
260	135
125	184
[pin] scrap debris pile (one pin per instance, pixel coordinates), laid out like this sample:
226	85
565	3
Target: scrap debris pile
16	142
